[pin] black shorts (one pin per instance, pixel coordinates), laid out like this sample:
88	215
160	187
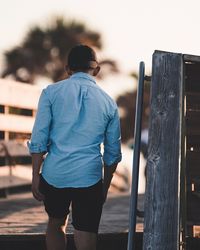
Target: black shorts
86	204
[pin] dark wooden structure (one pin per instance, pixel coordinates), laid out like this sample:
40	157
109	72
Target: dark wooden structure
112	241
172	203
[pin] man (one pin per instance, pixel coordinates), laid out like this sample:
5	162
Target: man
74	118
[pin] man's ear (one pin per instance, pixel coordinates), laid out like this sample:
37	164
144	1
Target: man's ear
69	72
96	71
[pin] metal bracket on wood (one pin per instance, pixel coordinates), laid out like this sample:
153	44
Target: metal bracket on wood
147	78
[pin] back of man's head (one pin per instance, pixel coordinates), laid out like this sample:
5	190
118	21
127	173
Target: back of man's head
82	58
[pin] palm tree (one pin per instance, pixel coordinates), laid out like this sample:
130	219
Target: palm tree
43	51
127	106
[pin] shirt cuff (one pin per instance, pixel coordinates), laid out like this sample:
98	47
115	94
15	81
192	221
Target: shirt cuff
110	161
36	147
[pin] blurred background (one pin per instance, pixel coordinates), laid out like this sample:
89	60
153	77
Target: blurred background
35	39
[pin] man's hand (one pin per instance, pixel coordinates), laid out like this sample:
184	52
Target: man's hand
108	174
37	159
105	194
35	188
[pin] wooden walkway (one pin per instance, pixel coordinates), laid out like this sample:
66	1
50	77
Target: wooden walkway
21	214
23	223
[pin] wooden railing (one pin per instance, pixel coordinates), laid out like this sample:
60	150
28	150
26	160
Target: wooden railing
17	95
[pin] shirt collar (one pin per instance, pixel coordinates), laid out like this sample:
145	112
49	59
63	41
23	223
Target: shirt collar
83	75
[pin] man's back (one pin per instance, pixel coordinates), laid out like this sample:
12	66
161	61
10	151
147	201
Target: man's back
80	114
74	117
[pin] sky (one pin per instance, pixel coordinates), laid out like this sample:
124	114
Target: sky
131	29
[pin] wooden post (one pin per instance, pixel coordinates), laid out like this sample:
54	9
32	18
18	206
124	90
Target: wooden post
162	199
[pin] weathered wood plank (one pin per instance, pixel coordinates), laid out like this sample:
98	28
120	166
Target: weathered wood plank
161	228
105	242
193	131
191	58
16	123
193	156
193	164
193	115
193	139
19	95
193	204
192	87
109	241
192	98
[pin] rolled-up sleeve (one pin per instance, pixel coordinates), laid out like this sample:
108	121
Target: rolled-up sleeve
112	141
40	133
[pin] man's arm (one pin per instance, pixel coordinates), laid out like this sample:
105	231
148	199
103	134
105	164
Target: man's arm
112	151
108	175
38	145
40	133
37	159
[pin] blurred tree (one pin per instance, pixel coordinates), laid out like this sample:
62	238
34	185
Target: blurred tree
44	51
127	108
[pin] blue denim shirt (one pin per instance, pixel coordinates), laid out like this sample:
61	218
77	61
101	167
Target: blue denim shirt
74	117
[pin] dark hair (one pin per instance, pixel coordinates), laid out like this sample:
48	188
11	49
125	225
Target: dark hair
82	57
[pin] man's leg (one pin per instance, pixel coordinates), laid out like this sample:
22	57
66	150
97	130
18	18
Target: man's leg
85	240
55	234
86	213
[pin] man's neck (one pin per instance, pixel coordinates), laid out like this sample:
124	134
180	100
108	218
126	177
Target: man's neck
90	72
